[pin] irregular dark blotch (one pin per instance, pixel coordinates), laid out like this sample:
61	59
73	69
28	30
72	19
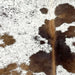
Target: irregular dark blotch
44	10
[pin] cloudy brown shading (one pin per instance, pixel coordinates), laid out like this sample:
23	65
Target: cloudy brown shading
7	39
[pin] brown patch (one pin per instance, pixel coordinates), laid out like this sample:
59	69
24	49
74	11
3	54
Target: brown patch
71	32
11	66
66	12
42	42
8	40
64	9
24	66
41	62
44	10
29	73
15	73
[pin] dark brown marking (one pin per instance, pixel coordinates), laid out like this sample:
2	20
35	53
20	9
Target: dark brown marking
44	10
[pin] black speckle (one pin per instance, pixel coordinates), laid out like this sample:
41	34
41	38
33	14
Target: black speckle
4	14
36	38
0	26
42	42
